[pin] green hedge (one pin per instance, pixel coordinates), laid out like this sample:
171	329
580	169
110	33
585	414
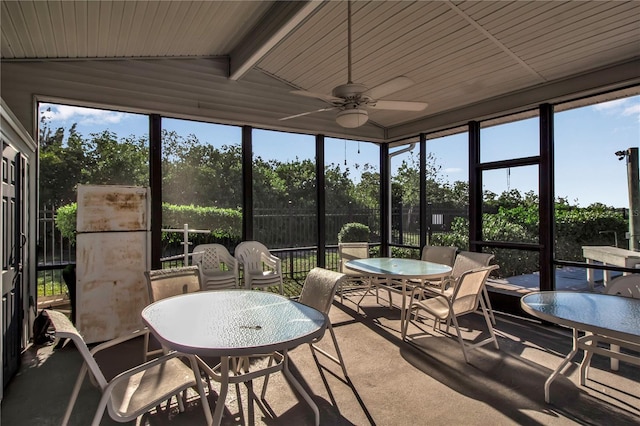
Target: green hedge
225	224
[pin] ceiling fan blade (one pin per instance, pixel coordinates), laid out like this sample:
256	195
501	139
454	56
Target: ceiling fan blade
326	98
399	105
389	87
307	113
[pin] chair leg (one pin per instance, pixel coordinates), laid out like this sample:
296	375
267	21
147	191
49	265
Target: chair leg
460	339
485	294
74	394
339	360
615	363
489	326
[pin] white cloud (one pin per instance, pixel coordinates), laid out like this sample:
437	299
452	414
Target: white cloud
453	170
611	105
80	115
632	110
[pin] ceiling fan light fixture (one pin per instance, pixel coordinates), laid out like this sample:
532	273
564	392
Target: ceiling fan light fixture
352	117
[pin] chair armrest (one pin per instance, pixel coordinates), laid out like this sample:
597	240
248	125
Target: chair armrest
272	261
118	340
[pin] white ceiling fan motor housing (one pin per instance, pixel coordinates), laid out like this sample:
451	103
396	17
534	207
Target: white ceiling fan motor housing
350	91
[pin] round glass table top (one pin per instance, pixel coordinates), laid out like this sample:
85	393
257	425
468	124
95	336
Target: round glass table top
595	312
232	322
404	268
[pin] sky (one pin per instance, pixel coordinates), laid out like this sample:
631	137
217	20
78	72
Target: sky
586	139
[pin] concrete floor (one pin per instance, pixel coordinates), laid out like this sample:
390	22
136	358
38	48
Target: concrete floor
390	382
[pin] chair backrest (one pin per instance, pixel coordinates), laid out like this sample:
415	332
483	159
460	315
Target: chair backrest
163	283
249	254
319	288
444	255
350	251
469	260
626	286
66	330
214	257
468	289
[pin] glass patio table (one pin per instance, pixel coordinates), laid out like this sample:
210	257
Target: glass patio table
401	270
604	318
235	323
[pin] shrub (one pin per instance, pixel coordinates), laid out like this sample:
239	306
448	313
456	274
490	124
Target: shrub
66	221
353	232
225	224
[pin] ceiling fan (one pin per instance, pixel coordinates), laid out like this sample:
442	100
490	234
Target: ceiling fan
352	99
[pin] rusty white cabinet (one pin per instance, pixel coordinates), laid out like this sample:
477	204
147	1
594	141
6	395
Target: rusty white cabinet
112	253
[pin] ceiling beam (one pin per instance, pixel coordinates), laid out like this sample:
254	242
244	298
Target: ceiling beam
279	21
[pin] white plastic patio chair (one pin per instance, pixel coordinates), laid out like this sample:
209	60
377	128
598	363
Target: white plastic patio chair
624	286
465	298
318	291
260	268
137	390
218	269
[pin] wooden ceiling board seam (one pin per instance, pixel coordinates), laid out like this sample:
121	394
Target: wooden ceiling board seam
482	79
213	38
592	44
248	16
133	41
396	48
465	72
12	22
515	13
502	46
194	20
283	18
480	9
80	12
158	37
58	38
172	25
410	58
386	35
124	33
313	30
147	75
93	16
564	69
170	93
545	21
372	65
114	31
574	31
298	60
70	29
147	22
487	78
43	14
467	48
33	26
102	30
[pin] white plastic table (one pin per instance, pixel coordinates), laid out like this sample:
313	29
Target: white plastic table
402	270
235	323
606	318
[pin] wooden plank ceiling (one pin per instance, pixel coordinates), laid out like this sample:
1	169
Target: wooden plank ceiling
458	53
